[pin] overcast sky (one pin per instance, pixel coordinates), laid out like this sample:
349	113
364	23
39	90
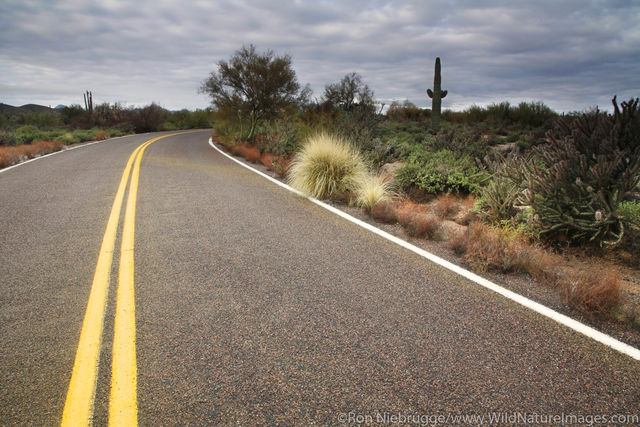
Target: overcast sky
571	55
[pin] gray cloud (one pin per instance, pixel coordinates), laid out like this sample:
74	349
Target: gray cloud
570	54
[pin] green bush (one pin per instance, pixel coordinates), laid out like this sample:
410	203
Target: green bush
326	165
29	133
440	171
533	114
629	211
282	137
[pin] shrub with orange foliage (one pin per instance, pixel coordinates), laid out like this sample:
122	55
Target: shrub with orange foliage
15	154
384	211
252	154
101	135
268	160
247	151
417	222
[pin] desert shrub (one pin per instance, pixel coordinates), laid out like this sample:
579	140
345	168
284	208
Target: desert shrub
28	133
476	114
101	135
407	111
185	119
576	182
498	114
463	139
282	136
148	119
532	114
440	171
7	138
371	189
326	165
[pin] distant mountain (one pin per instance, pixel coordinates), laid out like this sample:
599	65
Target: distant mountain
10	110
59	107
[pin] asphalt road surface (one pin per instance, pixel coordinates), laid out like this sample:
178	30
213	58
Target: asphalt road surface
255	306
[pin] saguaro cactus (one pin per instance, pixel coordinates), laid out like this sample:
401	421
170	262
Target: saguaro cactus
436	96
88	101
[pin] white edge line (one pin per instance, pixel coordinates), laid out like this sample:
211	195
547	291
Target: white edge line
67	148
522	300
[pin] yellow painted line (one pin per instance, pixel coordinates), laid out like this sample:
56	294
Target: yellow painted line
79	404
123	403
78	407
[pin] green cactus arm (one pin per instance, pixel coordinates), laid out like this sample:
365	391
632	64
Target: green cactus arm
430	93
443	94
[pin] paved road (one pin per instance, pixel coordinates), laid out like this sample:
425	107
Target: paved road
254	306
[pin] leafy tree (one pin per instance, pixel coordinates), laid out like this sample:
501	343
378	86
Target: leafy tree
349	93
254	87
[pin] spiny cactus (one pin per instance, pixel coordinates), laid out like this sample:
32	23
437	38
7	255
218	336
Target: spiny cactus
577	180
436	95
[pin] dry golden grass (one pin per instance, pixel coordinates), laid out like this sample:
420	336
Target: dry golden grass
371	189
326	165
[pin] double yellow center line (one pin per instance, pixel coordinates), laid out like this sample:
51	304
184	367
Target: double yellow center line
123	404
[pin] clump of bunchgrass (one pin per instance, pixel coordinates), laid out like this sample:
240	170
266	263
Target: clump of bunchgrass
326	165
372	189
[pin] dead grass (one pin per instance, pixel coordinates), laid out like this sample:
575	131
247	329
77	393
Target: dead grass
466	214
488	251
593	290
10	155
446	206
418	222
384	211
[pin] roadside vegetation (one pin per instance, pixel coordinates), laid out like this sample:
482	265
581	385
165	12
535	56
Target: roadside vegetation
514	189
30	132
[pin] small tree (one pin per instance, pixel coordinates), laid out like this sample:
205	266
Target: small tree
349	93
254	87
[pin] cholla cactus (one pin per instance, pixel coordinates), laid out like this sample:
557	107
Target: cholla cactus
577	180
436	96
